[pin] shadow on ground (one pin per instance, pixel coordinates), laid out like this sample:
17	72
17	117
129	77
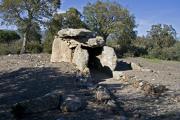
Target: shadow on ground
29	83
123	66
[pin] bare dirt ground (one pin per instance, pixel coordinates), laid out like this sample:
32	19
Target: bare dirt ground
163	72
25	77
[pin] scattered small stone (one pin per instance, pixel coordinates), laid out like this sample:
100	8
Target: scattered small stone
136	83
146	70
158	89
177	98
102	94
72	103
137	115
135	66
111	103
117	75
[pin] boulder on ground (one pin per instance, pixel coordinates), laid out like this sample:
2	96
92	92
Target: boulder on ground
40	104
61	51
102	94
135	66
72	103
69	32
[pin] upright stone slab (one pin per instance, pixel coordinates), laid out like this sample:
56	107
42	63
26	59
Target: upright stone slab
61	51
108	58
80	58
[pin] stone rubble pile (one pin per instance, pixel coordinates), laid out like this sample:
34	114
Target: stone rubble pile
81	47
147	87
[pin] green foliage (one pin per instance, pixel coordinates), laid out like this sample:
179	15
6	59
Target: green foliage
34	33
113	22
171	53
47	45
160	43
162	36
25	13
110	17
70	19
11	48
8	36
34	47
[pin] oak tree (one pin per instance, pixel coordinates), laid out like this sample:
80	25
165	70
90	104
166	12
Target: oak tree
24	13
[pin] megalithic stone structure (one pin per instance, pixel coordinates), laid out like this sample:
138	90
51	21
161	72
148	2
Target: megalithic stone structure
81	47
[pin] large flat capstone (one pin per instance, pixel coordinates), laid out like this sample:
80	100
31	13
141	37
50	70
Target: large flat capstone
69	32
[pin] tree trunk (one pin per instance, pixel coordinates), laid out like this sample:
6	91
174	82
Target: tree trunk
23	49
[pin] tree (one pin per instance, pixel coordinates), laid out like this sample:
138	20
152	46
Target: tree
8	36
72	18
34	33
109	17
24	13
162	36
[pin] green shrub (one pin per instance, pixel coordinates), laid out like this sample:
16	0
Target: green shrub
34	47
47	45
12	48
172	53
7	36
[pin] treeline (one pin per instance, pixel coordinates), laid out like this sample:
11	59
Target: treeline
160	42
107	19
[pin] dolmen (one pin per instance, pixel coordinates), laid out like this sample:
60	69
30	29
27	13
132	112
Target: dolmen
82	48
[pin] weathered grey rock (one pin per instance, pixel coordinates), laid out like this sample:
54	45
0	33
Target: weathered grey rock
117	75
96	42
108	58
80	58
146	70
61	51
69	32
111	103
44	103
72	103
135	66
102	94
73	43
158	89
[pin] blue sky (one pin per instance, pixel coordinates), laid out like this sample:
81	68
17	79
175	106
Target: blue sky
146	12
